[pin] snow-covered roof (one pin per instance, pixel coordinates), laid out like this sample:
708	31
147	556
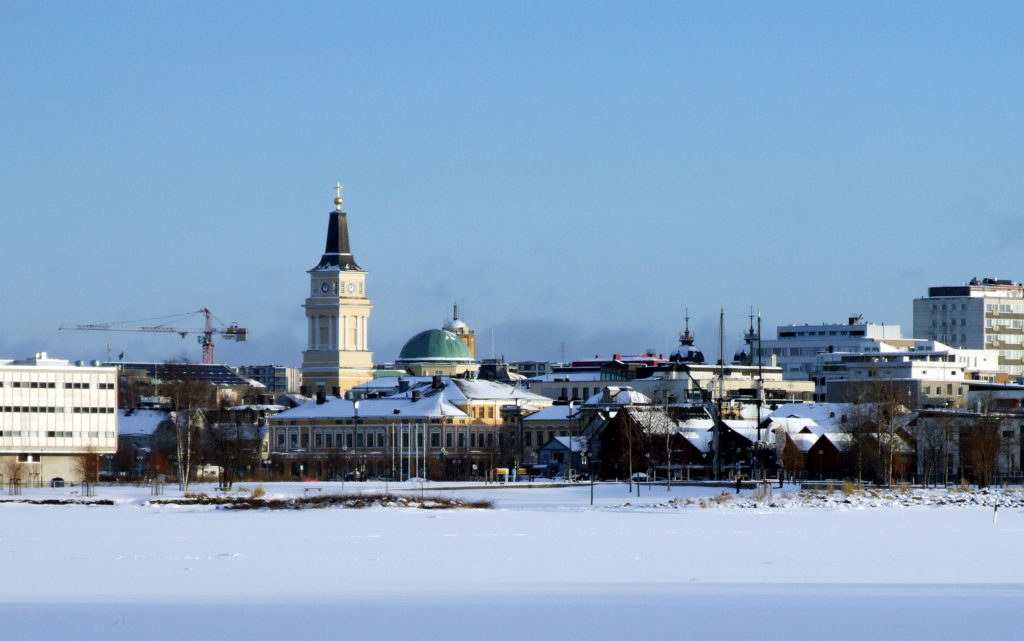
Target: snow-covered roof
476	389
579	443
827	415
841	440
553	413
294	399
701	439
455	389
431	406
139	422
618	396
258	407
803	442
794	424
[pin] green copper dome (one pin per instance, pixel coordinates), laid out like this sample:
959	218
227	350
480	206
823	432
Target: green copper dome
435	345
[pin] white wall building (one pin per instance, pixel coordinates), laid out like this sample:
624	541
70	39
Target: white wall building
797	348
986	313
52	411
933	374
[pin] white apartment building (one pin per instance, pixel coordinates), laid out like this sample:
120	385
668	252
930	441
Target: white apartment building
798	349
986	313
51	412
932	374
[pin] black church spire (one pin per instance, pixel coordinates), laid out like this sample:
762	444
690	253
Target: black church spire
337	251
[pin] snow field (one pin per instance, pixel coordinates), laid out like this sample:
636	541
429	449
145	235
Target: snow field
542	564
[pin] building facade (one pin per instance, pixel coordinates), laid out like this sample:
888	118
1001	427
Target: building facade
432	427
798	349
337	356
53	413
276	378
986	313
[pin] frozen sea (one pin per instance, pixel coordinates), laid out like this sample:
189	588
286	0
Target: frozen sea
543	564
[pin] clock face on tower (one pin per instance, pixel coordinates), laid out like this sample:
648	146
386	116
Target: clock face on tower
326	287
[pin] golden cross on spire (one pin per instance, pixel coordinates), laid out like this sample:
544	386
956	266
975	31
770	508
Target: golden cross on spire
338	201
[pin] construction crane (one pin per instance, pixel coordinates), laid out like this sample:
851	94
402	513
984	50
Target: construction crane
206	333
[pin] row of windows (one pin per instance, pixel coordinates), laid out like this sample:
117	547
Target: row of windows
528	437
1014	323
41	409
54	434
855	332
1005	308
330	440
950	339
482	412
52	385
938	390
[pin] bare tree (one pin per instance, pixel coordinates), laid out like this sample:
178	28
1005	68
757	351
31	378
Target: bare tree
87	465
190	394
792	458
981	445
187	423
934	434
873	426
12	470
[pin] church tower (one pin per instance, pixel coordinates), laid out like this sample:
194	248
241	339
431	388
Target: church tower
337	312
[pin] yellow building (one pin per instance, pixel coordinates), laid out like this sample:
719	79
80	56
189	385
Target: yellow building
434	427
337	313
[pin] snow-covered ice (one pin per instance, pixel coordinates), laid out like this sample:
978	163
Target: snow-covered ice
543	564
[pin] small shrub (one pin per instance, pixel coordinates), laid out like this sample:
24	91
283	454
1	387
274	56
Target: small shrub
259	492
852	488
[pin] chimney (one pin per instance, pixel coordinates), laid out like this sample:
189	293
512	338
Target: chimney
321	398
403	385
303	390
336	391
415	395
436	382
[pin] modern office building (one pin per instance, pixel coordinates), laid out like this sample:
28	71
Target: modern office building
797	347
986	313
52	414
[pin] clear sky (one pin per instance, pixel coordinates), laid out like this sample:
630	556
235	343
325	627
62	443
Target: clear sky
577	172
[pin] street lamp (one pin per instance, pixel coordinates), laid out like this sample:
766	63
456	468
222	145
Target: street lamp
444	464
568	465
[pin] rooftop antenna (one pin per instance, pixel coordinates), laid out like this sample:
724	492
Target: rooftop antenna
716	461
686	338
563	352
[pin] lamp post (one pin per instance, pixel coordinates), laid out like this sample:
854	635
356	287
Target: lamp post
568	465
444	464
344	450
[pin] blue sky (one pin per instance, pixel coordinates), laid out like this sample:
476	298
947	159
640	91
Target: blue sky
571	172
